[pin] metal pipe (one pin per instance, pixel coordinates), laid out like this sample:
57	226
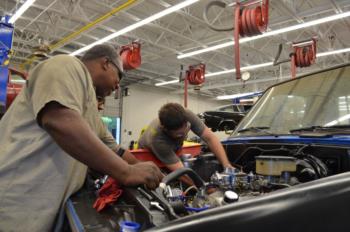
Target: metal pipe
293	67
81	30
88	26
185	92
42	12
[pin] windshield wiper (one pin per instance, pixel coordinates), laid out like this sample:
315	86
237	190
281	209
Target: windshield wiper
263	129
318	128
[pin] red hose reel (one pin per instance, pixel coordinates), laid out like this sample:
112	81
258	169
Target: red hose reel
303	55
131	55
251	18
249	21
195	74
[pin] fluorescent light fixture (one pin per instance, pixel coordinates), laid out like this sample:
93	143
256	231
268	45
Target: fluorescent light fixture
333	52
208	49
270	33
250	67
136	25
226	97
166	83
246	68
256	66
21	10
220	73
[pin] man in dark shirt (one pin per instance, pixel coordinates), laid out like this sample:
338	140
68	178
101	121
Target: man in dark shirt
165	136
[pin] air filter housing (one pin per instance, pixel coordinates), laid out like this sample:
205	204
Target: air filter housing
274	165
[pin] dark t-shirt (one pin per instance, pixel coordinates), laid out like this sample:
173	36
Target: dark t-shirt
164	147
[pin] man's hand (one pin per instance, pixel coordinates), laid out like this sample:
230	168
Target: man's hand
228	165
144	173
130	158
71	132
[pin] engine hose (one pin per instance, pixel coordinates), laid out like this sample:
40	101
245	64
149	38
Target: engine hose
248	22
198	181
193	209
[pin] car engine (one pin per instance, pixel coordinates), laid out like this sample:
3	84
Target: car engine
264	172
231	185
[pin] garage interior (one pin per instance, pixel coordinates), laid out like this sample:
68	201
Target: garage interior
50	23
168	45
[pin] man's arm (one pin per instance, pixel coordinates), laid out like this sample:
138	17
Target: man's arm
130	158
73	135
216	147
167	156
198	127
108	139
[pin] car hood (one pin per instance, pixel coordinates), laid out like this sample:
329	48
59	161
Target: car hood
305	139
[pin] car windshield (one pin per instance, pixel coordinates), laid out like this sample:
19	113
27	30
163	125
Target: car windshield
318	100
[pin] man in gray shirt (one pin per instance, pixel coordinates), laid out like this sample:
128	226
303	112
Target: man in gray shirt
165	136
52	132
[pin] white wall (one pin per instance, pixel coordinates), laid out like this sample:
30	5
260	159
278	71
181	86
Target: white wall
142	106
111	107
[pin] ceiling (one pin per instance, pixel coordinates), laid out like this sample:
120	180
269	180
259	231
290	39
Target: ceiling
49	21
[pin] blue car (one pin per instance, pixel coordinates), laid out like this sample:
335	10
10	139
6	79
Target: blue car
292	159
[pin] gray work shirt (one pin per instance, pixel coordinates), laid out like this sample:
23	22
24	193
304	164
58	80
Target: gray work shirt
36	175
161	145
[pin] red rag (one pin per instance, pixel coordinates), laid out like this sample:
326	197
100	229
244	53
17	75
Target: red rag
109	193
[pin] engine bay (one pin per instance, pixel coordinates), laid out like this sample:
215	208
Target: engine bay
259	170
